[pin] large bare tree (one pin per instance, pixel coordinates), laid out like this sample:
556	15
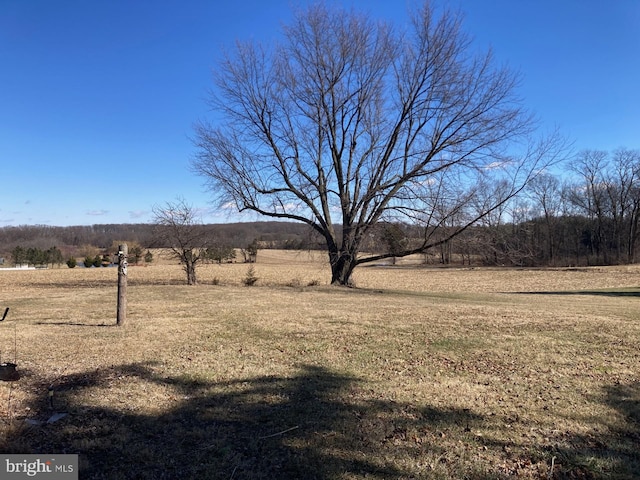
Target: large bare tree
348	122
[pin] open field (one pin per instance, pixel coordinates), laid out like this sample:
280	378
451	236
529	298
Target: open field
417	373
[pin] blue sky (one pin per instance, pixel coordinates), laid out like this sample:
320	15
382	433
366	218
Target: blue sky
98	98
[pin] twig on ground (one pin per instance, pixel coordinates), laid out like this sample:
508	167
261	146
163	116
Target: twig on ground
233	473
279	433
553	461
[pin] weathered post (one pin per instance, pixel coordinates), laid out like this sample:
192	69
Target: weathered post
123	251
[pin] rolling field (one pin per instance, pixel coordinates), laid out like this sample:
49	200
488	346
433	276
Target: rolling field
416	373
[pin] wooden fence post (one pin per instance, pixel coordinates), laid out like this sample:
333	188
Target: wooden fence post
122	284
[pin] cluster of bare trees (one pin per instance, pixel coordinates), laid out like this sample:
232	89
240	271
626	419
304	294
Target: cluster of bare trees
587	214
608	194
179	229
597	205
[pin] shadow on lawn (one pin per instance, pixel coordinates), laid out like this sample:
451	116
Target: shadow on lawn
77	324
609	451
312	425
317	424
600	293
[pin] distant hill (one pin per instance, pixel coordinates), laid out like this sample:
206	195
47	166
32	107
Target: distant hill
281	235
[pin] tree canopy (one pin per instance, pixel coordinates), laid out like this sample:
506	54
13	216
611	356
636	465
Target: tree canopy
350	121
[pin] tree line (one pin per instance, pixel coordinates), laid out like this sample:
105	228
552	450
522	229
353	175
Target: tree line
588	214
37	257
274	234
80	241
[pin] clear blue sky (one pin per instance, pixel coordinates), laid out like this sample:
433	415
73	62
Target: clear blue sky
98	98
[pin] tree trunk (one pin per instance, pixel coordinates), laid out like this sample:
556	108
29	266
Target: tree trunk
190	269
633	234
342	266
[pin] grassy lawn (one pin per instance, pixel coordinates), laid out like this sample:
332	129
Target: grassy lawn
417	373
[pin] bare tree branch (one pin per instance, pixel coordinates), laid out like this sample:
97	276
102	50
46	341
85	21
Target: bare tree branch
350	122
182	233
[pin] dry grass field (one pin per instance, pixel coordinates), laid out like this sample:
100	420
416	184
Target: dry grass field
417	373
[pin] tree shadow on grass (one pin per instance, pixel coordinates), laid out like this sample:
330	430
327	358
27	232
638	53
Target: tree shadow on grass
599	293
77	324
313	425
625	398
610	451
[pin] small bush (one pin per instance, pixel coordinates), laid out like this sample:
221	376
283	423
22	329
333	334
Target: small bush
97	261
250	278
88	261
72	262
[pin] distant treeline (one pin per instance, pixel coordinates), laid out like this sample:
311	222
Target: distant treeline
565	240
281	235
541	242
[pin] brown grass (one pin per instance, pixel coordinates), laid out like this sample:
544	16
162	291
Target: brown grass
417	373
